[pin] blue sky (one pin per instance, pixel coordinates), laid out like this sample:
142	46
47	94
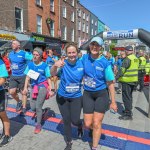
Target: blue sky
121	14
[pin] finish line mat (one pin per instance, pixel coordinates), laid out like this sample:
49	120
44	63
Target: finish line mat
112	136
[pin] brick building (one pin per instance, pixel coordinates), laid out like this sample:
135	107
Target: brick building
68	20
83	24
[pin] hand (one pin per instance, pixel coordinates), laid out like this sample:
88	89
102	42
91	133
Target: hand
51	93
59	63
113	106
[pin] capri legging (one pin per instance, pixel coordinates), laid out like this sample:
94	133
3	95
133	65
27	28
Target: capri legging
70	109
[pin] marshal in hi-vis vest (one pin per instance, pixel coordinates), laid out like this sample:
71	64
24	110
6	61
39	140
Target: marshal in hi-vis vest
143	63
131	74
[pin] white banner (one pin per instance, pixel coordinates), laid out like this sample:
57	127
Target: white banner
123	34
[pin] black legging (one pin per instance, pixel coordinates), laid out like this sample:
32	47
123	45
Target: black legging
70	109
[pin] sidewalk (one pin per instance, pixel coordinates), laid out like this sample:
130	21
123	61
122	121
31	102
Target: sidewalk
124	135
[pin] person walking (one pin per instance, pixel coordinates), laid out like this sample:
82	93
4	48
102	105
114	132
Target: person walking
69	95
18	59
3	115
50	61
39	74
128	76
98	79
141	72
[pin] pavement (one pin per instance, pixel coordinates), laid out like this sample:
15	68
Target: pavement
117	134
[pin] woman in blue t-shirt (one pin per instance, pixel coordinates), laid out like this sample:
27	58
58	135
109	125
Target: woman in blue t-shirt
69	96
98	79
39	74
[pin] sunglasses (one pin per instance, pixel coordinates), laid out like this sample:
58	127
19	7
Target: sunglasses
36	55
94	44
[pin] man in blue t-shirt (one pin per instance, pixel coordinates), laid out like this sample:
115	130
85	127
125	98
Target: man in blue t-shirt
50	61
18	59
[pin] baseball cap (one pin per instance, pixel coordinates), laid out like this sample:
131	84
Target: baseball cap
97	40
129	48
39	50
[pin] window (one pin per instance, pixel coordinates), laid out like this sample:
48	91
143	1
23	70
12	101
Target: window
92	21
72	17
95	23
83	27
87	29
64	12
83	15
38	2
39	24
79	25
92	32
72	35
79	13
64	33
19	19
52	33
52	5
79	41
95	32
72	2
87	18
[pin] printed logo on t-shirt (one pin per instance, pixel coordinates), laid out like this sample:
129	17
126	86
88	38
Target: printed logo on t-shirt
40	70
99	68
79	69
19	56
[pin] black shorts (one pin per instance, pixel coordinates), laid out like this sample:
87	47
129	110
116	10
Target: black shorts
2	100
17	82
95	101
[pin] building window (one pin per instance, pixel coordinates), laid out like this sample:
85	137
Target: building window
92	32
72	17
38	2
39	24
95	32
19	19
95	23
79	25
64	12
64	33
72	2
72	35
79	12
52	33
87	18
52	5
79	41
92	21
83	27
83	15
87	29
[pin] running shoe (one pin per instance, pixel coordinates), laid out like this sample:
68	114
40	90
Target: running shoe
6	140
37	129
68	146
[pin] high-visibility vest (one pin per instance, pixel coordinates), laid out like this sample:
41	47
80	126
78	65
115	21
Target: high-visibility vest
143	63
147	68
131	74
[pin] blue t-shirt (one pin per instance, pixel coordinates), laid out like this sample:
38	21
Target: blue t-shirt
3	71
18	61
118	63
71	79
50	60
112	61
97	72
41	68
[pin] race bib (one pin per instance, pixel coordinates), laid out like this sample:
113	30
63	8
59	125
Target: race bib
72	87
89	82
33	75
14	66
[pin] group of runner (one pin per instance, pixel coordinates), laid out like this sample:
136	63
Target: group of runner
93	70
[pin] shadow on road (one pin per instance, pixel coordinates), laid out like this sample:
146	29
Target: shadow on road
15	125
142	111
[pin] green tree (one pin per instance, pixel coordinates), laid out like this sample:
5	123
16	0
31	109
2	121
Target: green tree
113	52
